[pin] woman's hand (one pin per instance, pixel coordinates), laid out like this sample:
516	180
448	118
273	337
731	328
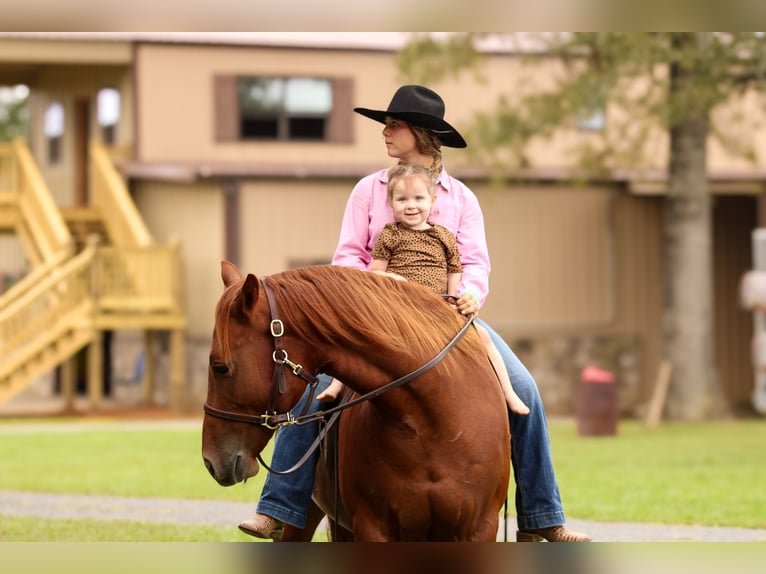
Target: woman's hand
467	304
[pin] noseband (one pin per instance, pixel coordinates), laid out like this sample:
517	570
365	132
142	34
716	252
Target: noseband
272	420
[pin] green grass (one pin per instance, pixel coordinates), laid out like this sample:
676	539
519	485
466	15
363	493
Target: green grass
150	463
26	529
707	474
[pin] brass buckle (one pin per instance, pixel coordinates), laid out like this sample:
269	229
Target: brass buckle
274	426
277	328
296	367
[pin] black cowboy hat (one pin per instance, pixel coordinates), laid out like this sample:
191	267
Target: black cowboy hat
421	107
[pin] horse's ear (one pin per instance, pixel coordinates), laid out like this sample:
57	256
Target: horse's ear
249	293
229	273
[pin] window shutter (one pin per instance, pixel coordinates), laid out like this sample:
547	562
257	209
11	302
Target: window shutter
226	108
340	125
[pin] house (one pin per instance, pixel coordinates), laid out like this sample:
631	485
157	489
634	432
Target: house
244	147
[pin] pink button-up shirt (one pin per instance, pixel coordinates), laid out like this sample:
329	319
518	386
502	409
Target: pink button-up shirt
456	208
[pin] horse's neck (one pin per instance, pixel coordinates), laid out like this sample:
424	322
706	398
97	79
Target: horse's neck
373	374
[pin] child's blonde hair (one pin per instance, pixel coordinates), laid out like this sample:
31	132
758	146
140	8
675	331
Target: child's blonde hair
402	171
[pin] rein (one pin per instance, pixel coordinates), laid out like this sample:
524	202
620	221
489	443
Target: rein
272	420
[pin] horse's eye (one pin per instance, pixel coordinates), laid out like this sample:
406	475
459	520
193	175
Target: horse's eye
221	369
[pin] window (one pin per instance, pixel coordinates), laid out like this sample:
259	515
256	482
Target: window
108	114
271	108
53	129
284	108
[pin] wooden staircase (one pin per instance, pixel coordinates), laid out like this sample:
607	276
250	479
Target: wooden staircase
93	269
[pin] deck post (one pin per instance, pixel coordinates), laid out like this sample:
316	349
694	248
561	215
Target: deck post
96	369
177	367
149	380
68	372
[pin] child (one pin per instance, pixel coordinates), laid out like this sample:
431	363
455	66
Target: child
414	250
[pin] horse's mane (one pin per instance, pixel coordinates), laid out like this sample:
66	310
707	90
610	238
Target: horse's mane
353	306
361	306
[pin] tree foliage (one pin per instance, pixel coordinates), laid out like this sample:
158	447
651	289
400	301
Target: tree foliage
599	71
14	117
667	87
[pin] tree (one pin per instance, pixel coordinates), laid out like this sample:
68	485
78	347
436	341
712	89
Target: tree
672	81
14	114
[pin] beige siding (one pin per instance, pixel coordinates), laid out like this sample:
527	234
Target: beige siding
552	262
638	254
287	222
193	214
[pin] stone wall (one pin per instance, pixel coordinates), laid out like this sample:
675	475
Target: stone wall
556	363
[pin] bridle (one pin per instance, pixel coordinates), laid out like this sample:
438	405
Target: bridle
273	420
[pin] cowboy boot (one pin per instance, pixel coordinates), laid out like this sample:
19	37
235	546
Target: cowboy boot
558	533
263	526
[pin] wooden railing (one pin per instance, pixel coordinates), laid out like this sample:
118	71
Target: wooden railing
133	274
110	196
31	279
8	175
33	214
40	225
137	279
48	322
31	314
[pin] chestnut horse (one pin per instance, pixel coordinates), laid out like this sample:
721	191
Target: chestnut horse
426	460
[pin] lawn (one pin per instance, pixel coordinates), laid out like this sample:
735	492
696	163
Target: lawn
707	474
32	529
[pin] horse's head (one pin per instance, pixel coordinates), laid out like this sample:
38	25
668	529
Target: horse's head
240	380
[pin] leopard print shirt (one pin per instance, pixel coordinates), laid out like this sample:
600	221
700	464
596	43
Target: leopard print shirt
421	256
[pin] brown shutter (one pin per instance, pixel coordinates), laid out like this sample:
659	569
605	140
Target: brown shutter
340	128
226	108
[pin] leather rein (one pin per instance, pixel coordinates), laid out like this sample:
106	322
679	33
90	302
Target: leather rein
273	420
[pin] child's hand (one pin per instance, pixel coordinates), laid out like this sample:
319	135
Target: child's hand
331	392
467	304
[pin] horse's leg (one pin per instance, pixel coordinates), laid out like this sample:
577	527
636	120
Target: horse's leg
306	534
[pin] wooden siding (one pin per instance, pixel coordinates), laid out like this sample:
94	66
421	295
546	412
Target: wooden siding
638	254
552	257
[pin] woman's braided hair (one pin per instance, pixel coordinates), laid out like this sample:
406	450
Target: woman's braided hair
429	144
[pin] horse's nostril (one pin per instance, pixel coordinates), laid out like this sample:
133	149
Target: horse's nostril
238	474
209	467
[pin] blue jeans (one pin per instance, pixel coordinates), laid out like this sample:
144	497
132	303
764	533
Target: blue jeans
538	502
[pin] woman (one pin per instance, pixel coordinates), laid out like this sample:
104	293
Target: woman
414	132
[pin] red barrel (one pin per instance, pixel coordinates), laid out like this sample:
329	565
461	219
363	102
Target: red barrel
597	406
